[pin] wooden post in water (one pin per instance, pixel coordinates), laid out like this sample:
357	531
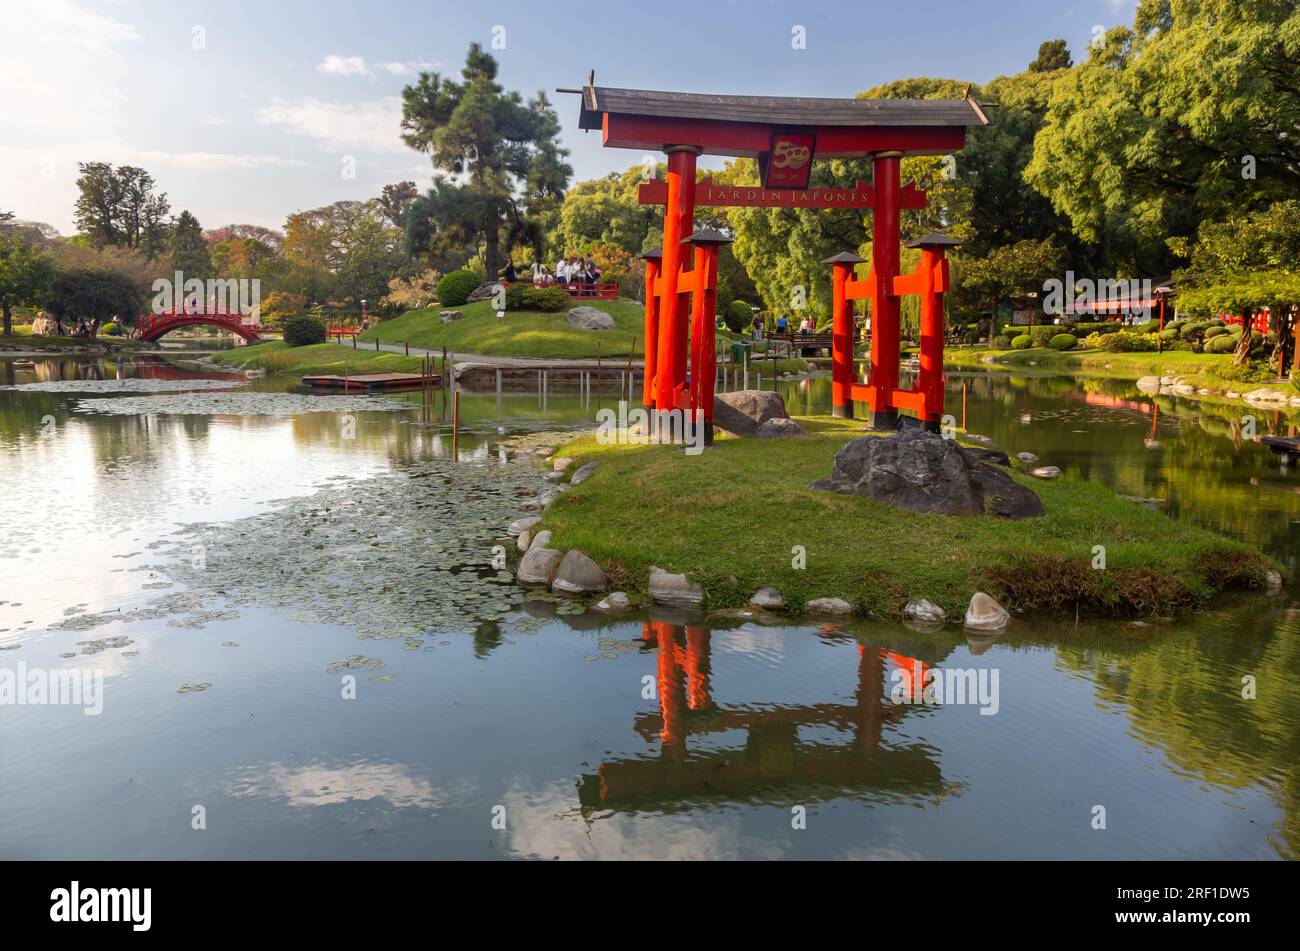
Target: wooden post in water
963	405
354	341
406	347
455	429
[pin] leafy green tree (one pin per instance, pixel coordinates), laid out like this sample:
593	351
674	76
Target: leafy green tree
26	274
1190	115
1052	55
188	249
605	211
94	295
505	149
1010	271
119	208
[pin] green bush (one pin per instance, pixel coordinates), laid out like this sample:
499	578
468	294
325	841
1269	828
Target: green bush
303	330
1023	342
515	295
1212	332
1001	342
545	298
1100	327
1063	342
1127	343
454	288
1042	336
111	330
738	316
1222	343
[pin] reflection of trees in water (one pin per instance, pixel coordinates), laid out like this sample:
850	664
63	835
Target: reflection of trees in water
1183	695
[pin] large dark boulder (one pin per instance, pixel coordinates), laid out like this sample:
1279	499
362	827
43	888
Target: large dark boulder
742	412
924	472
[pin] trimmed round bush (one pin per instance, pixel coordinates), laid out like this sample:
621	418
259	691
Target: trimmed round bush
454	288
545	298
303	330
1063	342
738	316
1042	336
1023	342
111	330
1221	343
1212	332
1002	342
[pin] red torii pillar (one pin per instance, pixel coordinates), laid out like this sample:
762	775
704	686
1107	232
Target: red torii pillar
652	259
679	221
845	290
930	281
703	285
885	308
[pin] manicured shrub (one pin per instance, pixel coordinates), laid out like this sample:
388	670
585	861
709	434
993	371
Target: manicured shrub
1001	342
1042	336
1212	332
545	298
1063	342
1222	343
738	316
515	296
1128	343
1023	342
111	330
303	330
454	288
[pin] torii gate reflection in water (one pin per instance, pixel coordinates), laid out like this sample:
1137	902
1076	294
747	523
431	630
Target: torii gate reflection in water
785	135
774	761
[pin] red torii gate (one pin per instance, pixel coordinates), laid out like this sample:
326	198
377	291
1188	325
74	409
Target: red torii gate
785	135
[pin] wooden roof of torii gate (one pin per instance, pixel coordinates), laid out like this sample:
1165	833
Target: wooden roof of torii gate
743	125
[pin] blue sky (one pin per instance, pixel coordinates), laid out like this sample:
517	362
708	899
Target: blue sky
248	110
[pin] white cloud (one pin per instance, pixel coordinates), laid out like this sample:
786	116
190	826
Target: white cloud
397	69
372	124
335	65
61	65
213	161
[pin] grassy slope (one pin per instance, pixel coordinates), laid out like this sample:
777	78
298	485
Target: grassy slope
739	508
334	358
537	334
519	333
1200	369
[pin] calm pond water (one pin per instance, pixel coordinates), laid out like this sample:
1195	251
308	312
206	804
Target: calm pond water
226	574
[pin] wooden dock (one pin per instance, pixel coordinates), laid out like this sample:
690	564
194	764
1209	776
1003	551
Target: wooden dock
1282	444
365	382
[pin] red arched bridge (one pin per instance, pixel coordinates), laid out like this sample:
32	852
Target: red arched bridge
153	326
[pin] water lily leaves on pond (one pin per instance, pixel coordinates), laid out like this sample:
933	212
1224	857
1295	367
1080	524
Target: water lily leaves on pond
234	403
194	687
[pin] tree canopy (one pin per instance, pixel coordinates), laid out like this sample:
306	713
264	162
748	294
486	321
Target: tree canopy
500	157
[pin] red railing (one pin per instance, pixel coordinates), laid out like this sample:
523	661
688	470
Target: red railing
601	290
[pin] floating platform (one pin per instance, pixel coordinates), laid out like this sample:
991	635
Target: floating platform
1282	444
364	382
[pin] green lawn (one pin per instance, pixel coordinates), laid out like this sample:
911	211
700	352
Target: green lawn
737	511
520	333
22	338
322	358
1205	370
